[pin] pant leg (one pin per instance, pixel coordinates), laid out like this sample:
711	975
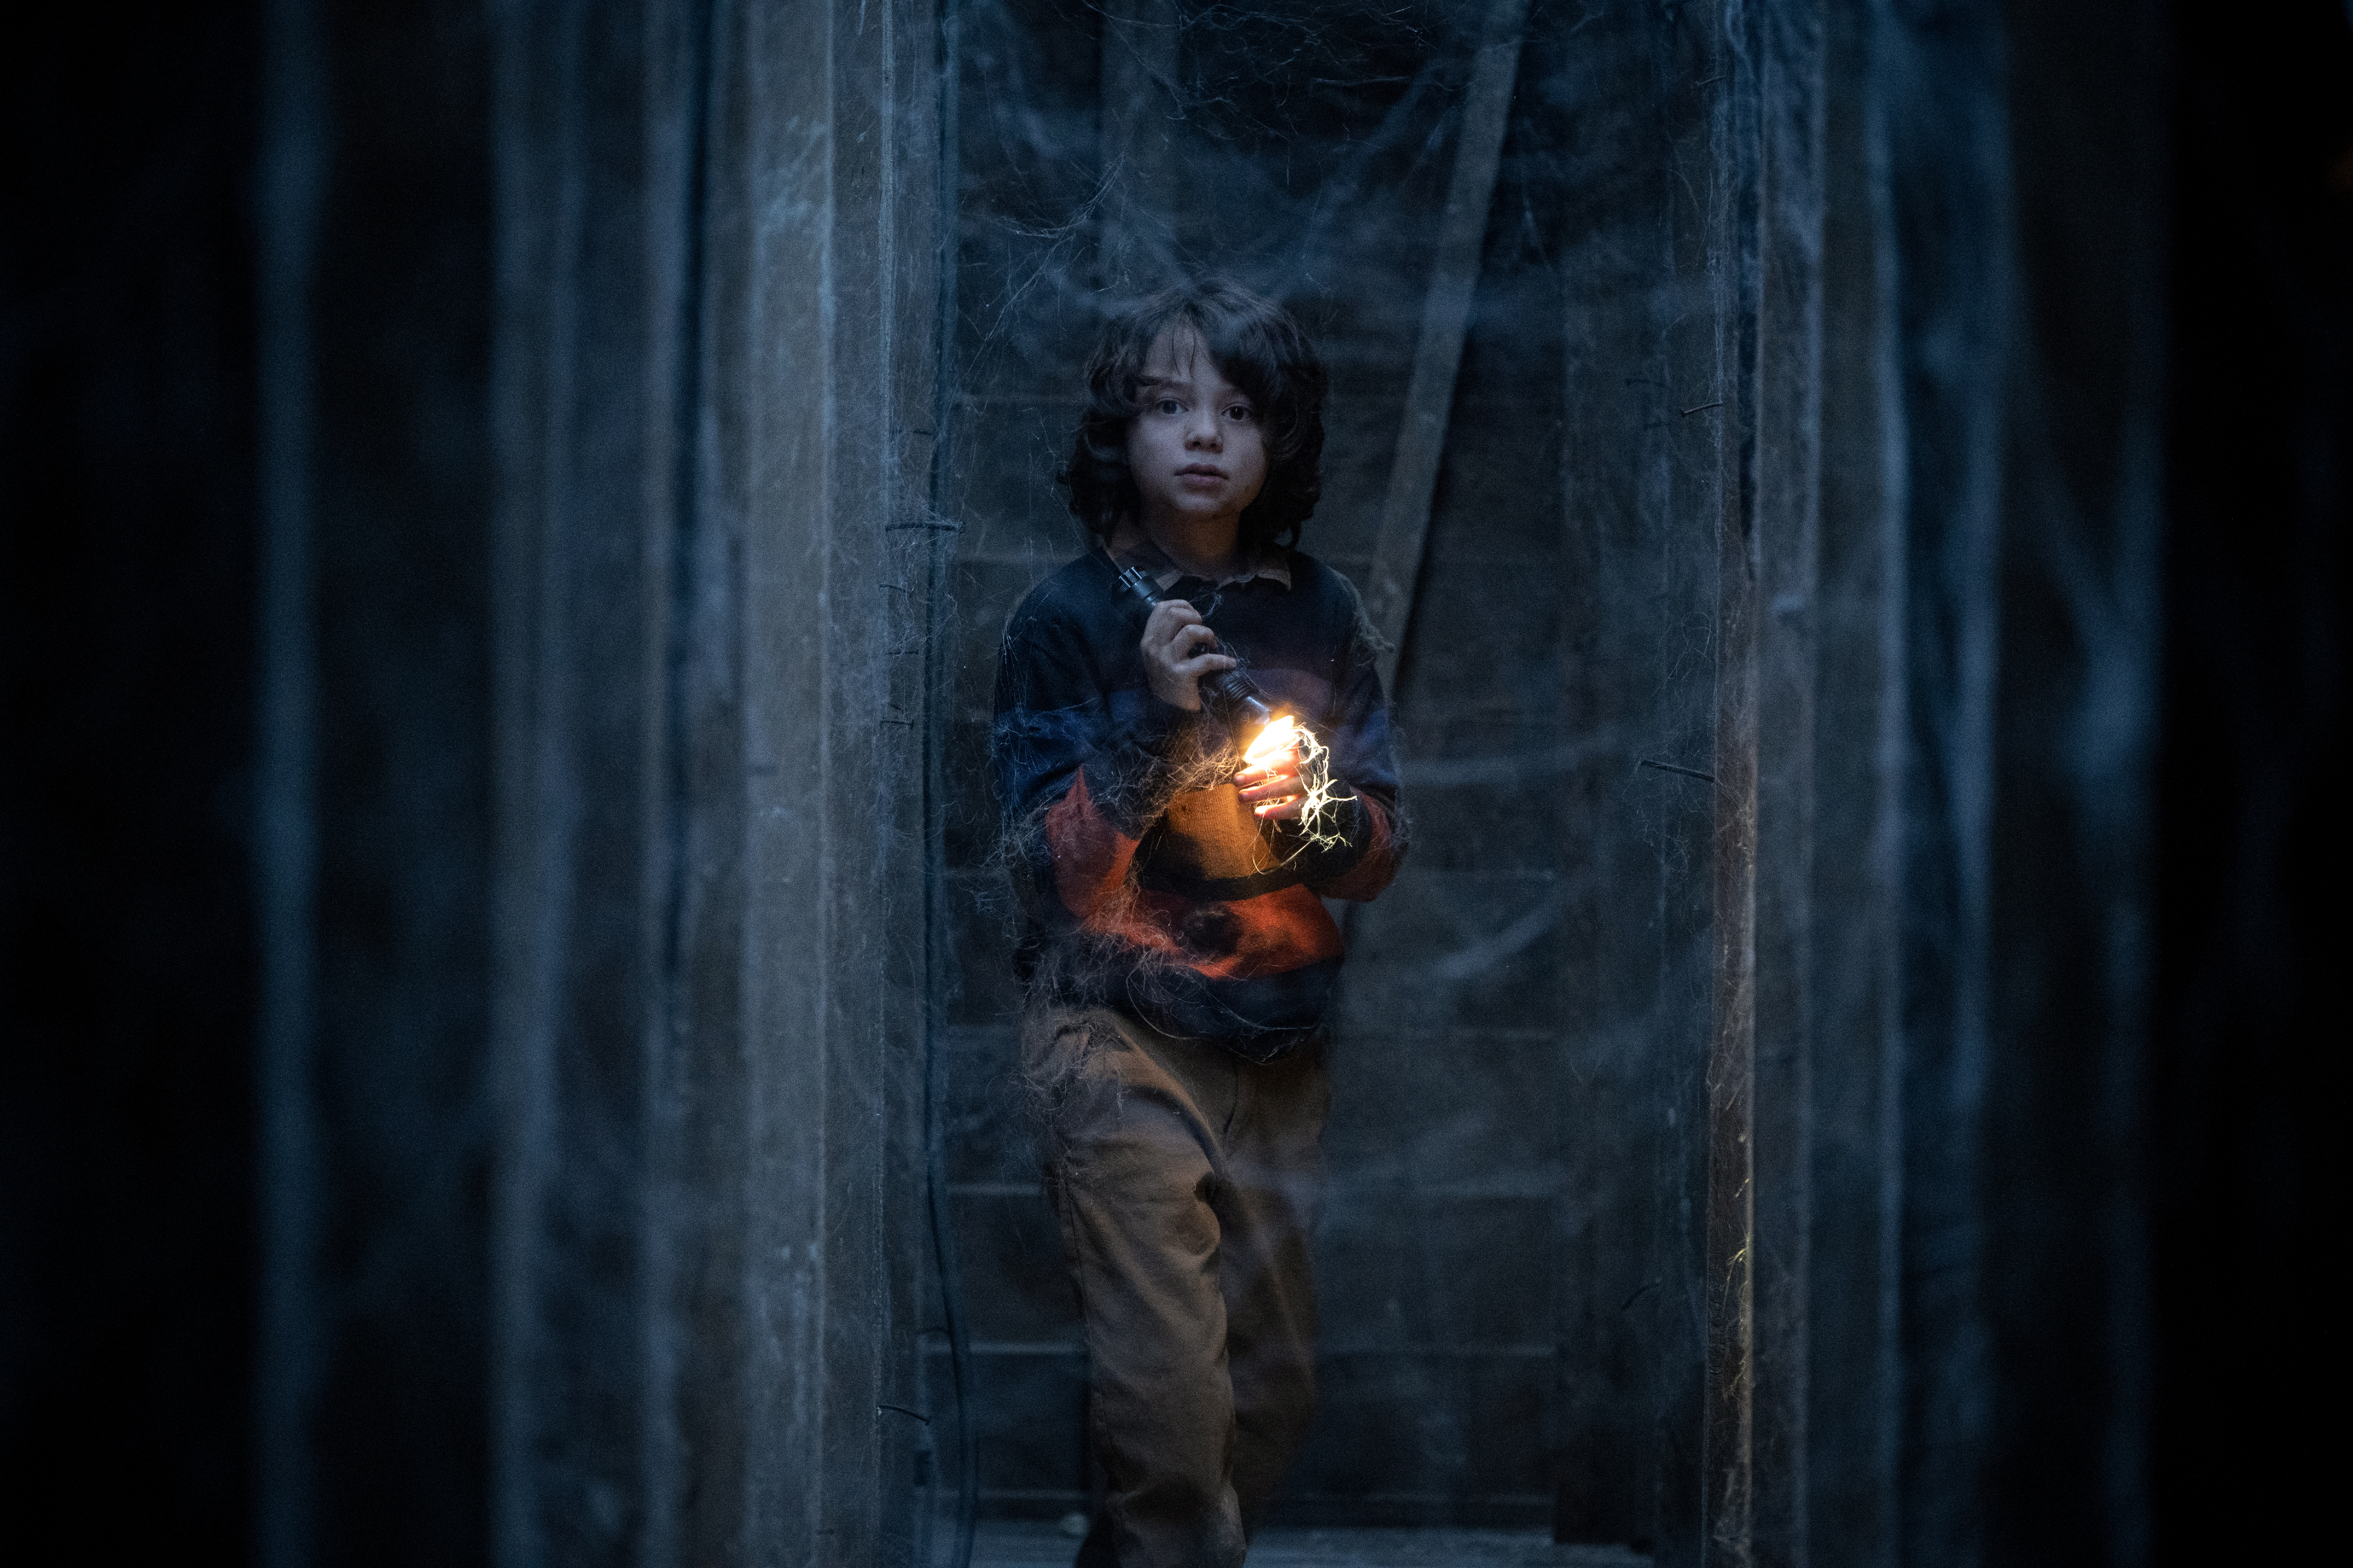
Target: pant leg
1273	1191
1188	1181
1132	1162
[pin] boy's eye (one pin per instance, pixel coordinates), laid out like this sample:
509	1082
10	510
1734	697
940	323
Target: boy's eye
1238	411
1169	405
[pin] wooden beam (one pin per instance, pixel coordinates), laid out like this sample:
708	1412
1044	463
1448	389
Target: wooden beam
1445	315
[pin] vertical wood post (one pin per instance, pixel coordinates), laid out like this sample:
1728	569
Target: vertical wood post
1785	48
718	272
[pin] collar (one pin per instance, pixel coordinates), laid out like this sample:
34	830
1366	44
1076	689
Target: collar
1165	573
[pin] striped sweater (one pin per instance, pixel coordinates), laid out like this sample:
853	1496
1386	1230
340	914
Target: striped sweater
1145	881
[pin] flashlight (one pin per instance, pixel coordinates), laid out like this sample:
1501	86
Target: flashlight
1234	697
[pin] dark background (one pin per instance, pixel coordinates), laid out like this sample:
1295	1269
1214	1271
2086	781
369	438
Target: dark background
149	284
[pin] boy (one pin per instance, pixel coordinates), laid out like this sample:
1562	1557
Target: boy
1178	959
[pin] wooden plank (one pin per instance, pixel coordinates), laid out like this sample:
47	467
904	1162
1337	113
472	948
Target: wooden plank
1445	315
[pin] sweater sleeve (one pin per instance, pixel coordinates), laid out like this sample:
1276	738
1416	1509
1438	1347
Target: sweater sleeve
1080	772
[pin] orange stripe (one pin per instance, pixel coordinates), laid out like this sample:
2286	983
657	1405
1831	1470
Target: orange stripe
1275	932
1090	855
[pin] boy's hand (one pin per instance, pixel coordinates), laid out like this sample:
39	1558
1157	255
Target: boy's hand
1177	654
1271	787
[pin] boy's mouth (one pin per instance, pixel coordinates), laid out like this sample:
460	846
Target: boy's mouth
1200	470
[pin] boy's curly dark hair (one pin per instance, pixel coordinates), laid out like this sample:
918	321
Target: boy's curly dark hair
1259	347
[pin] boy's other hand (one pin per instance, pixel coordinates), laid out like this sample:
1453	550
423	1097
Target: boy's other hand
1177	654
1272	788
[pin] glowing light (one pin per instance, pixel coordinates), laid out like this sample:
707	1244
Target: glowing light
1281	734
1317	822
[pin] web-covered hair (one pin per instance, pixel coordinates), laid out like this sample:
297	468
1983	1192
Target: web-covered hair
1257	345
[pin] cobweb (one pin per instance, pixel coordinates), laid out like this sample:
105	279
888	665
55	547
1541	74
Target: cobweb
1303	151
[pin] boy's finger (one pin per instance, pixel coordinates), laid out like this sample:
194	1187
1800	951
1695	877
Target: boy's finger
1168	618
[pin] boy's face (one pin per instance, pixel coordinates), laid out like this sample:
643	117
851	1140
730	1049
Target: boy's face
1197	449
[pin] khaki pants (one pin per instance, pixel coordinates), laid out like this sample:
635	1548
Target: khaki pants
1186	1180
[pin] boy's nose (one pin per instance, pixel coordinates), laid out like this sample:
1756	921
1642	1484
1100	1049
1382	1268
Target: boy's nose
1203	431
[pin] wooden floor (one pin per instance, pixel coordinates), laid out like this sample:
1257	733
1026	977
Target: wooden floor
1004	1544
